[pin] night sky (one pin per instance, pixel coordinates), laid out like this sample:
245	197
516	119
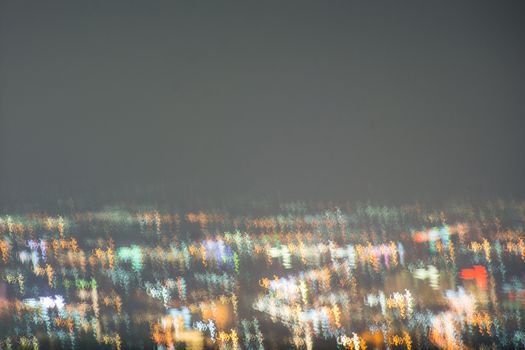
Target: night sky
330	99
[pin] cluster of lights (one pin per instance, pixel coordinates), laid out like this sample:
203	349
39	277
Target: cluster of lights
360	277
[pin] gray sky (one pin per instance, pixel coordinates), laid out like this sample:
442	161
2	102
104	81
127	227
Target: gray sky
376	99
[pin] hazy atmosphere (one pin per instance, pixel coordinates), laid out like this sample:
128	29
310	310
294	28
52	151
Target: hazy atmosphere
306	99
251	175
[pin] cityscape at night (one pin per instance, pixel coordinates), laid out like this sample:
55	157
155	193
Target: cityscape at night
295	275
249	175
